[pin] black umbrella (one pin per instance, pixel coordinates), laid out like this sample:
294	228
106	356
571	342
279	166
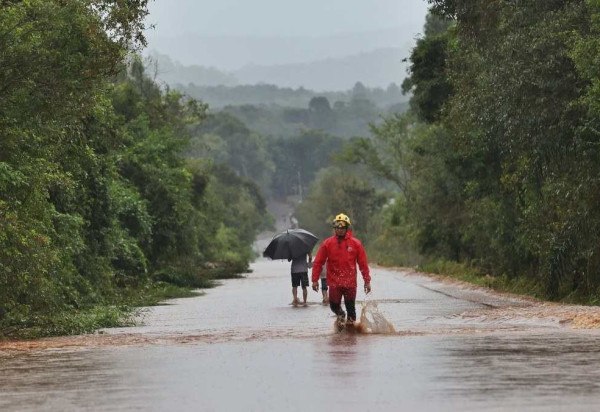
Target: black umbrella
290	244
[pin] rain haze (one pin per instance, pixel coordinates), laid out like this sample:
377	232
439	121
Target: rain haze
315	44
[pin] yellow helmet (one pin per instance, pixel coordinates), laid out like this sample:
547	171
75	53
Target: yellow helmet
340	220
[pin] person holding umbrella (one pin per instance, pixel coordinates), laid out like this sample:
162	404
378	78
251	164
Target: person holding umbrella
342	252
299	269
295	245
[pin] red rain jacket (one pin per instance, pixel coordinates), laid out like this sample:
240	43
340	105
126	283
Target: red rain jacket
341	256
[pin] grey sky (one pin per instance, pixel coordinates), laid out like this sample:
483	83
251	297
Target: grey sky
234	35
283	18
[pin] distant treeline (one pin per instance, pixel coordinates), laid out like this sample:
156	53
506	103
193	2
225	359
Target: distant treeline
98	206
497	164
342	119
267	94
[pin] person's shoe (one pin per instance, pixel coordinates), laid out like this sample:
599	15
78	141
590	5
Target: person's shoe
340	322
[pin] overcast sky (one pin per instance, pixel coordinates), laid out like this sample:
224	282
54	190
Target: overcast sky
231	34
283	18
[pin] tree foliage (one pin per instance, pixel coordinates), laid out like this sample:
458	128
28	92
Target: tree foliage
428	81
503	174
96	198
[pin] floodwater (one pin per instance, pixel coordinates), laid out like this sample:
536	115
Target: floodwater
243	347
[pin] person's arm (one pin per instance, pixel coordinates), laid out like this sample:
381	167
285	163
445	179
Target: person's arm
310	262
363	265
317	265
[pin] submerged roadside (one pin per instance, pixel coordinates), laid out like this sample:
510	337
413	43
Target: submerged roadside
503	299
518	298
524	286
118	311
416	304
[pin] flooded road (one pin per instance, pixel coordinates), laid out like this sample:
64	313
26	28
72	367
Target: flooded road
242	346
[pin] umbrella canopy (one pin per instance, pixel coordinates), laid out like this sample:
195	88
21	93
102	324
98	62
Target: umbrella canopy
290	244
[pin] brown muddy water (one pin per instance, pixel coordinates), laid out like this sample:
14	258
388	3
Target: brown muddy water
243	347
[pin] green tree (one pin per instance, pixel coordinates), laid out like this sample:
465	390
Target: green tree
428	81
338	189
320	113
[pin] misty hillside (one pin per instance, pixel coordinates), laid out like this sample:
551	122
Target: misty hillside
171	72
376	68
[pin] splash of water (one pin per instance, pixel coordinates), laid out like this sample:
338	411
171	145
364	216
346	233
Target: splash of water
373	321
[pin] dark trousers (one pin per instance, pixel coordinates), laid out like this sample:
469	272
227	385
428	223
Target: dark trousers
335	300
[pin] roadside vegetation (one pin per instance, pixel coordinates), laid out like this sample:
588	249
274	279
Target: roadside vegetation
99	209
496	165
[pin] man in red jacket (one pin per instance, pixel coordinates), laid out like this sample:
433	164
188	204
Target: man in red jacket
342	252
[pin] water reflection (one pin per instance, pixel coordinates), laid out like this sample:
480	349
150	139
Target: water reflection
343	355
534	368
341	343
57	380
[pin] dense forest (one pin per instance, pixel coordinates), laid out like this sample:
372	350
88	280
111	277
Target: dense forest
99	209
496	165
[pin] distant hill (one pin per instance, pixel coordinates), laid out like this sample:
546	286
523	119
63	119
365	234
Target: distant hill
172	72
376	68
231	52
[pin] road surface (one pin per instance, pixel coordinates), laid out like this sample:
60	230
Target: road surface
243	347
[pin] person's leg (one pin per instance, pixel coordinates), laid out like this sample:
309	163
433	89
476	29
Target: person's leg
295	284
335	301
304	281
350	302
